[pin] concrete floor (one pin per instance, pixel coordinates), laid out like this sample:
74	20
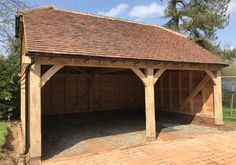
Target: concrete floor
71	135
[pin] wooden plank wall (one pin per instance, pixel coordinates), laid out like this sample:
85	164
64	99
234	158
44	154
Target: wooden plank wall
66	93
175	86
81	93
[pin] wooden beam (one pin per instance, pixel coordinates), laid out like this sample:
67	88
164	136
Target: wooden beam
137	63
109	71
25	59
55	68
121	64
184	66
158	74
218	100
140	74
35	112
79	70
211	75
195	91
150	105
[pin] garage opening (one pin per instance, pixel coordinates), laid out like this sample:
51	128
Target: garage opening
90	110
82	104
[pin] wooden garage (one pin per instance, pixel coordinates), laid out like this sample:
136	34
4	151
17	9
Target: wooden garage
73	62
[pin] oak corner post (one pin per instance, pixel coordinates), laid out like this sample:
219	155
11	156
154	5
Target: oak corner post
218	111
35	112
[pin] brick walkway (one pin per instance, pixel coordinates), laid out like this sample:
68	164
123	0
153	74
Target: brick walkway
217	149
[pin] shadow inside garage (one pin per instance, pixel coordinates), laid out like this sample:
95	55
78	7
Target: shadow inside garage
74	134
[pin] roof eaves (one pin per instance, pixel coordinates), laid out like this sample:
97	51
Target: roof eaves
62	55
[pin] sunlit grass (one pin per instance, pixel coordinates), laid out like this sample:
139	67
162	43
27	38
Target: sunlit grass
227	114
3	133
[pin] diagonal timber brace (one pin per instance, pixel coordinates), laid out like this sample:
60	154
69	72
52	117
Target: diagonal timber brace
55	68
195	91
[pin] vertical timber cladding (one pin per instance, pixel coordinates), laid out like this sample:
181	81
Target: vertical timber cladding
175	86
67	93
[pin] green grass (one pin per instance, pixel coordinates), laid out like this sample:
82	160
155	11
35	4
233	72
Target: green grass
3	133
227	115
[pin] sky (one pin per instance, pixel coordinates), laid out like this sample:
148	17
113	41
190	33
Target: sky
148	11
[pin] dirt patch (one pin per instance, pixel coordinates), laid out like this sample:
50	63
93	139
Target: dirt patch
9	152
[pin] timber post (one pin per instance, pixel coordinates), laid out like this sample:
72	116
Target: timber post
35	113
218	111
150	105
149	79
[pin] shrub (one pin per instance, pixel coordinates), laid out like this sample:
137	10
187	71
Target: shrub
10	84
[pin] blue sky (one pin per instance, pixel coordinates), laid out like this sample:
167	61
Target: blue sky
148	11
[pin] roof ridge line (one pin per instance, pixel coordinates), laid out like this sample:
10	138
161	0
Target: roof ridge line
31	10
120	19
42	8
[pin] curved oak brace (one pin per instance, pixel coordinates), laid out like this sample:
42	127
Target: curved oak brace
140	74
158	74
211	75
143	77
50	73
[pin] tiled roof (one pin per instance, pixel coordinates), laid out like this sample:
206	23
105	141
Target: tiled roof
57	31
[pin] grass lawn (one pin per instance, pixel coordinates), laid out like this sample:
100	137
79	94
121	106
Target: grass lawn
227	115
3	133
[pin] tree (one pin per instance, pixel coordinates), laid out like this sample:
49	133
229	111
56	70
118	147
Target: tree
9	83
199	19
229	54
8	10
9	62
